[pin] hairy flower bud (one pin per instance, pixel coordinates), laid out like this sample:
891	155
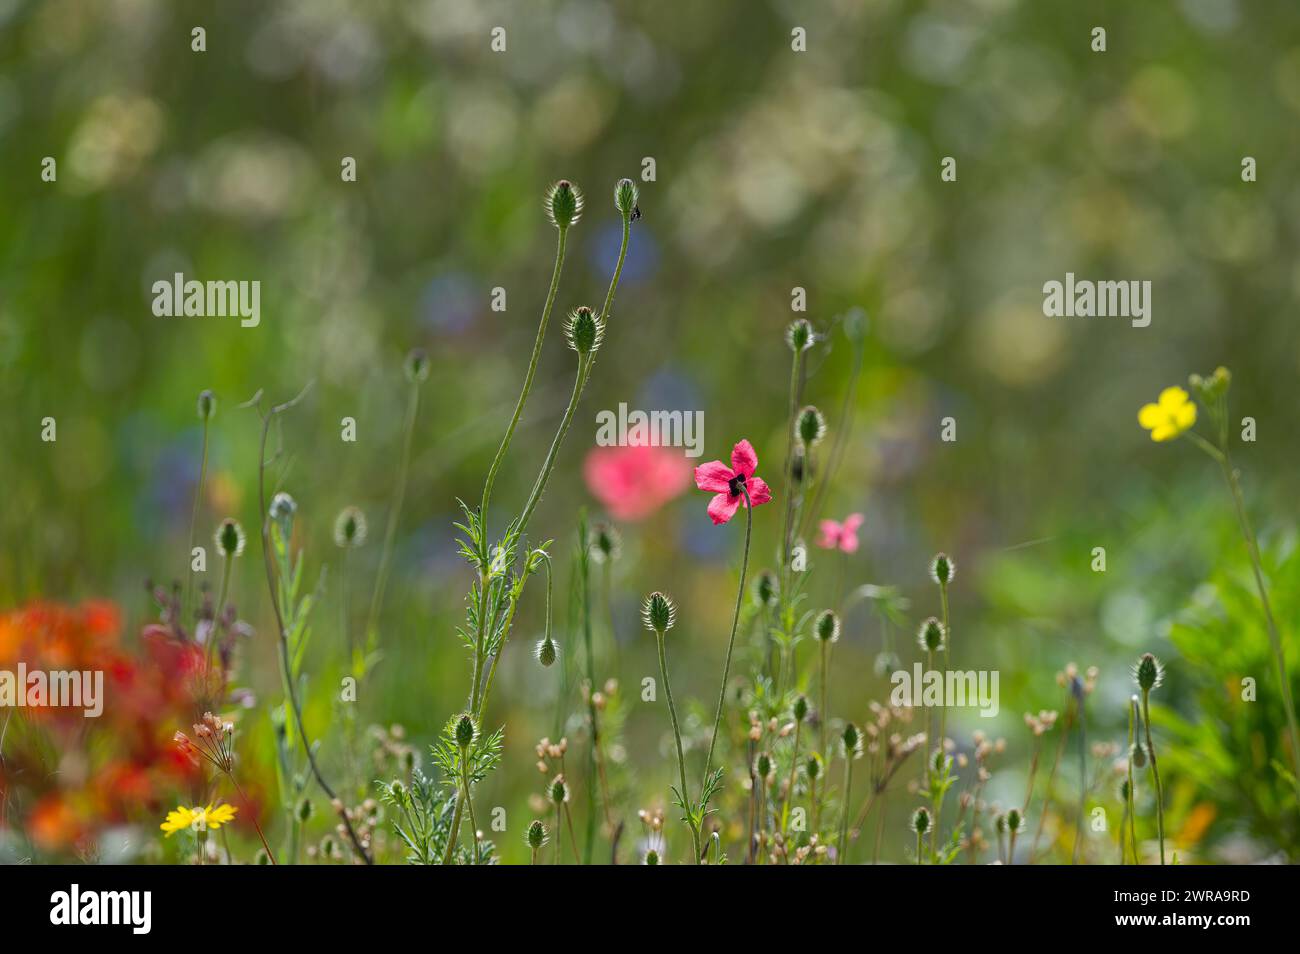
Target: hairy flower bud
350	527
536	835
812	426
584	330
765	588
1148	673
800	708
921	821
827	627
625	197
563	204
799	335
547	651
230	538
931	635
416	366
465	730
942	569
658	612
207	405
605	542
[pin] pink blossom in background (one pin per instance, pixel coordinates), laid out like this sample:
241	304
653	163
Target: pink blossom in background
633	482
840	536
727	483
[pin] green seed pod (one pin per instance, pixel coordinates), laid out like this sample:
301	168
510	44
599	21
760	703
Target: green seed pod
625	197
812	426
536	835
942	569
799	335
931	635
465	730
800	708
658	612
416	366
584	330
350	528
921	821
1148	673
230	538
563	204
207	405
827	627
547	651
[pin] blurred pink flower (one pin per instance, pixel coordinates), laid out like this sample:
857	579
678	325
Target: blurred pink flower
633	482
726	482
840	536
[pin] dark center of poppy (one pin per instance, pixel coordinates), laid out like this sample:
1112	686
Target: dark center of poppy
735	483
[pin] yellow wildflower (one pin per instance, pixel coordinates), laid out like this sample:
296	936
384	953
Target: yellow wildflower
197	819
1173	414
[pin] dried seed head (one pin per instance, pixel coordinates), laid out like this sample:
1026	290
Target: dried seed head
563	204
465	730
207	405
625	197
812	426
547	651
658	612
827	627
230	538
416	366
931	635
536	835
350	528
584	330
765	588
921	821
1148	673
799	335
942	569
800	708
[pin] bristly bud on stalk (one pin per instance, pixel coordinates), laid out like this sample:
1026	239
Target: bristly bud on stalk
920	820
605	542
207	405
1148	673
812	426
547	652
536	835
886	663
1138	755
813	765
416	366
305	810
283	507
564	204
558	790
799	335
765	588
658	612
942	569
800	708
465	731
931	635
851	740
651	857
763	766
230	538
584	330
1015	820
350	528
827	627
625	197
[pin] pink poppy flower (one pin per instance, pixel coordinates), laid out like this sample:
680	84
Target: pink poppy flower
834	535
633	482
726	482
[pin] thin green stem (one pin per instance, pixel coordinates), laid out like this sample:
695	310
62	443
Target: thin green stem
1131	819
1155	772
194	514
394	513
844	814
677	737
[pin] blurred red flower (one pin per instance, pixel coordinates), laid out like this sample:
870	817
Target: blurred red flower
633	482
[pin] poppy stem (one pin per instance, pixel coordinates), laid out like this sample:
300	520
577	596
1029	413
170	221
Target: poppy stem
731	642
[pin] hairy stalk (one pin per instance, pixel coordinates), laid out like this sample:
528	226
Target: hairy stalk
1083	782
1155	772
285	663
823	714
1130	821
796	367
194	514
1051	781
469	803
731	642
844	814
677	737
585	576
789	792
390	532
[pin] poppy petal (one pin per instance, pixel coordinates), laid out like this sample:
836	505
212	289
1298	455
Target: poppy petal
723	507
759	492
743	459
715	477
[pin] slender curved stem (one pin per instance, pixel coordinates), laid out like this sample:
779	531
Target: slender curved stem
844	814
677	737
194	514
1155	773
390	532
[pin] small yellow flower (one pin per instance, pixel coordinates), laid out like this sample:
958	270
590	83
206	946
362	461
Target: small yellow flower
197	819
1173	414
